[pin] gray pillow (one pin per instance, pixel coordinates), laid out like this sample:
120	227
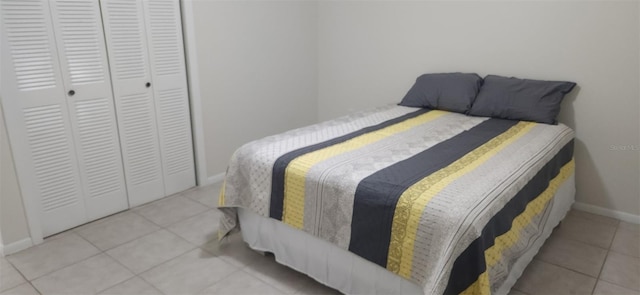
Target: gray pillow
447	91
520	99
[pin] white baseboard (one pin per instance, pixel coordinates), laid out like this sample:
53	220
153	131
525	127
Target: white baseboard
213	179
624	216
15	247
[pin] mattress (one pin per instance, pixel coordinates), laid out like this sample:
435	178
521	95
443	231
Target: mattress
445	201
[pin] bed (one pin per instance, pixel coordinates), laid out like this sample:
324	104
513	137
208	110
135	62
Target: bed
403	200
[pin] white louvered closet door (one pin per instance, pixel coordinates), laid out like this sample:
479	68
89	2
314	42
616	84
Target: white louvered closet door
131	77
33	99
166	52
85	72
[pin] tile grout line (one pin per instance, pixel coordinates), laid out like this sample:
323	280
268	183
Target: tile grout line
118	261
616	284
627	231
173	258
111	257
66	266
34	287
617	221
25	283
146	270
577	271
606	256
583	242
150	284
271	285
160	227
74	231
572	270
207	205
20	273
615	233
180	220
219	280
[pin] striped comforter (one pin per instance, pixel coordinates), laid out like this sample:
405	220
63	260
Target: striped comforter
445	200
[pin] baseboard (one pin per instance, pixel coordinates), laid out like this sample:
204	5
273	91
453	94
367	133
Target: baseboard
215	178
624	216
15	247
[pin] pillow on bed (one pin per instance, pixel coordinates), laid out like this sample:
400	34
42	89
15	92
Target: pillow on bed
447	91
520	99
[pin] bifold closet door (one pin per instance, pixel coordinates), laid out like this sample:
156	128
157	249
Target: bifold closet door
125	34
166	52
57	100
40	119
85	73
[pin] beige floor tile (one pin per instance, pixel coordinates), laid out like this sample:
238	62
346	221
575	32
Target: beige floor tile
313	287
516	292
52	255
282	277
586	230
544	278
170	210
23	289
86	277
622	270
198	229
241	283
116	230
150	250
629	226
188	273
9	276
206	195
605	288
133	286
626	242
594	217
573	255
233	250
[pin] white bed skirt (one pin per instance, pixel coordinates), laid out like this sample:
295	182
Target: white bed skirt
351	274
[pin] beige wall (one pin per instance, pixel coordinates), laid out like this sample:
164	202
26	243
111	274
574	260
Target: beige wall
13	223
257	63
370	53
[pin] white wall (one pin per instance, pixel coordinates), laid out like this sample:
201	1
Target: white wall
370	53
258	71
13	223
270	66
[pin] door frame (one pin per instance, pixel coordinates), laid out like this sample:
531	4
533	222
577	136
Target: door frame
195	98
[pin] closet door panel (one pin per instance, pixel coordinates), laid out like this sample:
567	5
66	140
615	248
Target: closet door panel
166	52
128	60
84	65
33	101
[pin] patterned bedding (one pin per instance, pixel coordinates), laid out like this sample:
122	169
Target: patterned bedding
444	200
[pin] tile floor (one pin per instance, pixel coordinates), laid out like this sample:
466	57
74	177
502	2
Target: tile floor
168	247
